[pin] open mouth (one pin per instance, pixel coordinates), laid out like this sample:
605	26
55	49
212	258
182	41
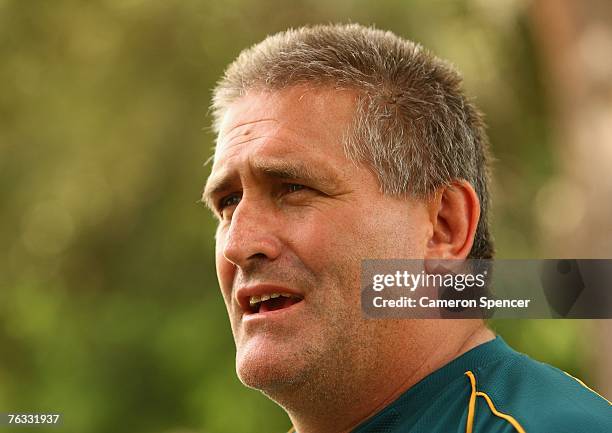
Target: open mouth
272	302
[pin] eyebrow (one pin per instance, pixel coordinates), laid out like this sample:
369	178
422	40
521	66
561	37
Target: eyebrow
297	170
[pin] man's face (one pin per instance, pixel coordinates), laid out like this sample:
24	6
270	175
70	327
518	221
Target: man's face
296	219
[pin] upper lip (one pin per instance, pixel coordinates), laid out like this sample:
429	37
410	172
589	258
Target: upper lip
243	294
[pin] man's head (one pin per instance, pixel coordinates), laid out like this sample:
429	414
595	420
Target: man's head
337	144
412	123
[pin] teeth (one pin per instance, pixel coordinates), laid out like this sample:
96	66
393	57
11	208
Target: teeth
254	300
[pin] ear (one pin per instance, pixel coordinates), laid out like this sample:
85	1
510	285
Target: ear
454	211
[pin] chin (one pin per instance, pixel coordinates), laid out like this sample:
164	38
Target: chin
268	372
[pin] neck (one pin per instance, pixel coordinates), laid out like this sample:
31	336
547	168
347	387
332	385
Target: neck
340	402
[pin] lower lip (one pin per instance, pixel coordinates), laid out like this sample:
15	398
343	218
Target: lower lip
275	315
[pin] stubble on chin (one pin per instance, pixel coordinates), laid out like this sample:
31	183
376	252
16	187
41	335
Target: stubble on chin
317	356
317	367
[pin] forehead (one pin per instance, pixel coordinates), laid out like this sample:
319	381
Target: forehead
297	121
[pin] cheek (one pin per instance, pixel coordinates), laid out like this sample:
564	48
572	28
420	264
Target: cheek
393	230
329	246
225	272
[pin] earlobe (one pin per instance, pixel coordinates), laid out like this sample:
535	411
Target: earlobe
454	211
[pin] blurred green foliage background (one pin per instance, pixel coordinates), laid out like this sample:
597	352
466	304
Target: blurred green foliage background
109	306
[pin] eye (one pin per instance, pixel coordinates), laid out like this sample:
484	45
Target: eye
228	201
293	187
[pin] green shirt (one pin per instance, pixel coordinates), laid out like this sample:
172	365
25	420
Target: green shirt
494	389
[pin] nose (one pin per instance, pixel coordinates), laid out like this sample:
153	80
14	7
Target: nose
252	234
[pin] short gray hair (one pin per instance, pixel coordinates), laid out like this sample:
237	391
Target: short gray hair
413	124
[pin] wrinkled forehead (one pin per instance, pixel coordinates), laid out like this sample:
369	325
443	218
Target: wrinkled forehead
294	134
303	116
